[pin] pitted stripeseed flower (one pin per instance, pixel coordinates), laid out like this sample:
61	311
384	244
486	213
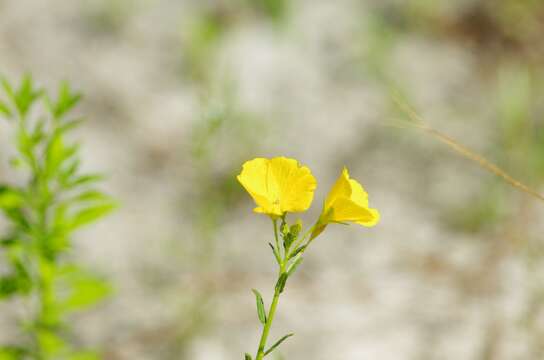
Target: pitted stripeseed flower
347	202
278	185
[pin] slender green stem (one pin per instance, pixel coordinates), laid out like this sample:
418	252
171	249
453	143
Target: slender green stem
275	300
266	329
283	262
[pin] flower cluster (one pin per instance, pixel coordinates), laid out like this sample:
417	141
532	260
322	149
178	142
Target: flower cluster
281	185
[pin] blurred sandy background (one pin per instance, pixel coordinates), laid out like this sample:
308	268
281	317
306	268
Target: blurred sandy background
178	94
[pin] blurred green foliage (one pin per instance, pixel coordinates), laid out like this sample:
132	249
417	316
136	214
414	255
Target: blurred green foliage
202	36
215	191
275	10
55	200
200	41
108	16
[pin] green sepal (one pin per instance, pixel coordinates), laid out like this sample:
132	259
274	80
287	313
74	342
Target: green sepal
296	228
248	357
277	343
260	306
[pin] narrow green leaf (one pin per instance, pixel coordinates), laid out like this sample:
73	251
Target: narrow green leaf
18	217
70	125
8	88
297	251
277	343
294	265
26	95
91	195
54	154
276	255
260	306
38	133
68	171
90	214
280	285
4	110
10	198
248	357
84	289
84	179
65	102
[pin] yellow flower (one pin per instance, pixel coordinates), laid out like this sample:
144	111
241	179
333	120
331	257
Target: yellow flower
347	202
278	185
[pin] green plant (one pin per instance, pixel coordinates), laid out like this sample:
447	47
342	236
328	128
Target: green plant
280	186
51	201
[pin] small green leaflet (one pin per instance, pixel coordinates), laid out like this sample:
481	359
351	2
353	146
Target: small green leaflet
260	306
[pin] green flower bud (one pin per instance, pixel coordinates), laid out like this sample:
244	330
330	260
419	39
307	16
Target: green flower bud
296	229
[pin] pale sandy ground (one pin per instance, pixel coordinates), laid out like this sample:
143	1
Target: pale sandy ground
406	289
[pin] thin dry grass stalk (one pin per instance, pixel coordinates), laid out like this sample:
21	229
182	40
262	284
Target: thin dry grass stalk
416	121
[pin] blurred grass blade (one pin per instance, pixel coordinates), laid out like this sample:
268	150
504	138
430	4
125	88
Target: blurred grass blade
418	123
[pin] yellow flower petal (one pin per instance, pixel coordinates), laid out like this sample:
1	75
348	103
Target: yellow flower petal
373	221
346	210
341	188
347	202
358	194
278	185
